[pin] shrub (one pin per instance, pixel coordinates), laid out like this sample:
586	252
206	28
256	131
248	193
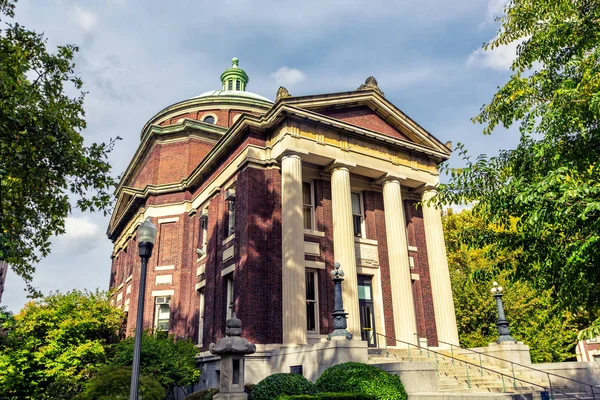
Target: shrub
361	378
275	385
248	388
203	395
329	396
113	383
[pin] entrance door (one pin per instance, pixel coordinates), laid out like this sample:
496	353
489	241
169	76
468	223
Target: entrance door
367	310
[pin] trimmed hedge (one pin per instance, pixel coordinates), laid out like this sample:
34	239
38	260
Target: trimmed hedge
329	396
361	378
276	385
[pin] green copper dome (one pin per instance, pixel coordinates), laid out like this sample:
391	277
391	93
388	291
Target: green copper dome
234	78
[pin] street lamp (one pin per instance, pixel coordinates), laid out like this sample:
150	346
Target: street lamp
339	316
502	324
146	235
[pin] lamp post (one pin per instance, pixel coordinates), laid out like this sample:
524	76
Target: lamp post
502	324
339	316
146	235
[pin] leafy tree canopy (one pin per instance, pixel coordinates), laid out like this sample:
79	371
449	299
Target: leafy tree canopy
114	383
549	186
534	317
44	161
171	362
54	344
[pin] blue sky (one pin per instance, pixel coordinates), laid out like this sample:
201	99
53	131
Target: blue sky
137	57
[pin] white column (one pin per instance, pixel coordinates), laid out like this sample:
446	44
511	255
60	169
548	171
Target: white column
405	322
343	244
443	304
293	279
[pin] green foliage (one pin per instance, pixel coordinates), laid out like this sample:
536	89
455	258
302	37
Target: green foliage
171	362
114	383
55	344
275	385
203	395
549	186
534	316
361	378
330	396
44	161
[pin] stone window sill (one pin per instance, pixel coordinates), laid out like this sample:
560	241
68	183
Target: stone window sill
313	233
229	238
365	241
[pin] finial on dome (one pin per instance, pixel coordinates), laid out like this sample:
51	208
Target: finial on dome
234	78
370	83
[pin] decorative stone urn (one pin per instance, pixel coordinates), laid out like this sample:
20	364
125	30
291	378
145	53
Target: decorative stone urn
232	349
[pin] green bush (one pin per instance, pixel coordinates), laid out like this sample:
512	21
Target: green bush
329	396
113	383
203	395
275	385
361	378
248	388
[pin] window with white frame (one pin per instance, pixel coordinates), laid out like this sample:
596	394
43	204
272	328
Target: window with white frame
312	301
229	296
201	317
162	313
231	218
308	205
230	198
358	218
203	231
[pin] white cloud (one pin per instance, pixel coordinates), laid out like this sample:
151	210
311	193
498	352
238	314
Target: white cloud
285	76
496	7
81	235
500	58
87	20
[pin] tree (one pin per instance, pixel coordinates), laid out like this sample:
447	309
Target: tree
549	186
114	383
44	162
168	360
55	344
534	317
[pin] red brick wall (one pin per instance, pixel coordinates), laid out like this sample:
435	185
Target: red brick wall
375	226
147	173
366	118
257	276
422	288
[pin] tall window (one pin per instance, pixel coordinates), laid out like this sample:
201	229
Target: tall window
357	215
231	218
229	296
308	206
237	84
162	313
230	84
203	242
312	309
201	317
230	198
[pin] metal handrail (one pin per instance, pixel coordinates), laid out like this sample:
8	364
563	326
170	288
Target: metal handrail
481	367
513	363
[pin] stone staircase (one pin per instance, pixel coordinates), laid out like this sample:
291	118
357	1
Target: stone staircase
458	375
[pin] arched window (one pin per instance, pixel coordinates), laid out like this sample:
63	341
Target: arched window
209	119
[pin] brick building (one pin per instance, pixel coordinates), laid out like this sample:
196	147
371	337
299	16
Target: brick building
255	200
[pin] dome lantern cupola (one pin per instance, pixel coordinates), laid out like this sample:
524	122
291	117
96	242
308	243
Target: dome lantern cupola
234	78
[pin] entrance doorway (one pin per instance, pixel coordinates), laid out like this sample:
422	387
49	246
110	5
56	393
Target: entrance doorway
366	310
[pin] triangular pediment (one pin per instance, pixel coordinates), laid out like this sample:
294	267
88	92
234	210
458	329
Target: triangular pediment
368	109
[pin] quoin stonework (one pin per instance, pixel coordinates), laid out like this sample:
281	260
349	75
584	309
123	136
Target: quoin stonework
255	200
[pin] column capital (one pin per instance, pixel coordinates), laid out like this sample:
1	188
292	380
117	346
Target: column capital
339	164
390	177
296	153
